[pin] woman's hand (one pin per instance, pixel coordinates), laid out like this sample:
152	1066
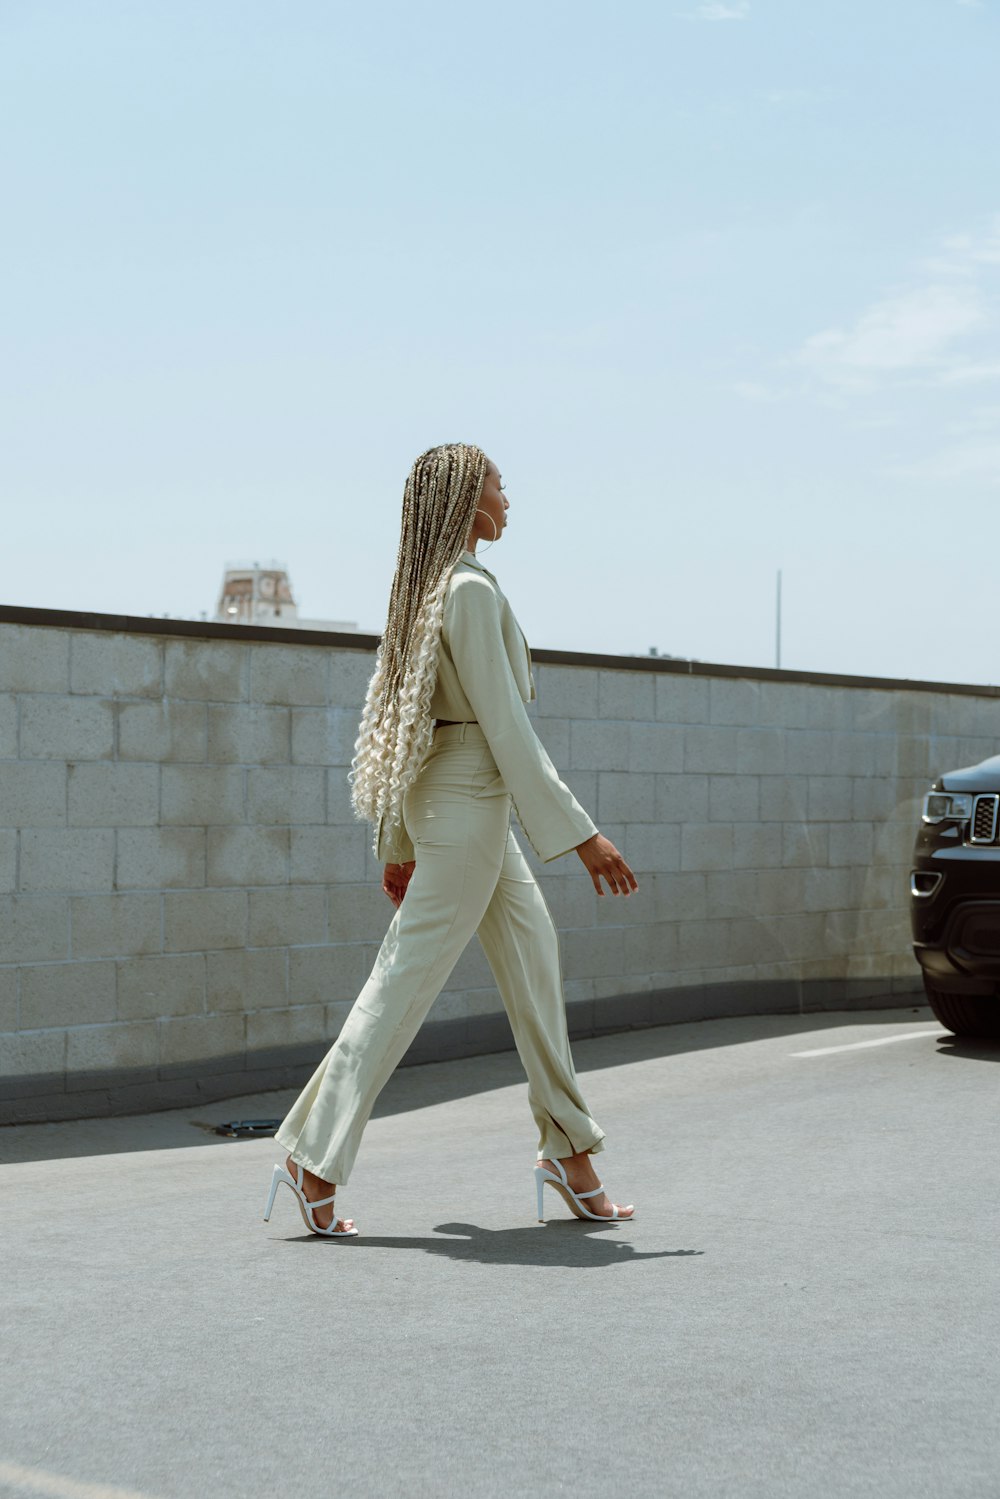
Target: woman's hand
604	861
395	880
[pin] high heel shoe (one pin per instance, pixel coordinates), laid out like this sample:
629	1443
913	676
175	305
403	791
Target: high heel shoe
306	1207
575	1200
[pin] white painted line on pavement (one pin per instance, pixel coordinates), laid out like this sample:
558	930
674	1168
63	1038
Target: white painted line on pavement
34	1481
824	1051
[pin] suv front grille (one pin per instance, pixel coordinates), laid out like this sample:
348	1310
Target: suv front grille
984	819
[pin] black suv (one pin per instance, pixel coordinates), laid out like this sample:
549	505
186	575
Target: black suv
955	899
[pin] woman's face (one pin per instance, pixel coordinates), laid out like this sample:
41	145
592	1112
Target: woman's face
494	503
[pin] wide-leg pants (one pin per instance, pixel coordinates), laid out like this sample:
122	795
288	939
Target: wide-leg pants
470	876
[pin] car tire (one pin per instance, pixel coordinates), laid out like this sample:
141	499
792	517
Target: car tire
965	1014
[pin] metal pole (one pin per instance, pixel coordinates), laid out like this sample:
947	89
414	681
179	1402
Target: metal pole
777	626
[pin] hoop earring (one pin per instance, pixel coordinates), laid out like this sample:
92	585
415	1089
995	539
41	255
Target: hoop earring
493	523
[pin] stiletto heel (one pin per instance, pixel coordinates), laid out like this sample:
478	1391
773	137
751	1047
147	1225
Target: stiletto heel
279	1175
275	1179
576	1201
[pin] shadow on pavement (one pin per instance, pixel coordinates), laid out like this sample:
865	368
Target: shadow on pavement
562	1245
976	1048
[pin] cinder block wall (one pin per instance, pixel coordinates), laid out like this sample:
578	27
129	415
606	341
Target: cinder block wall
188	908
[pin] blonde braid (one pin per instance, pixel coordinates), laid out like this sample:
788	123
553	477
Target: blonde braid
439	505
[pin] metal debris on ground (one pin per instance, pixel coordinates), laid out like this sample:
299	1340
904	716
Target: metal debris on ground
247	1128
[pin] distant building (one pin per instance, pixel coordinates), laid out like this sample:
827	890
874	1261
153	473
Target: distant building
256	595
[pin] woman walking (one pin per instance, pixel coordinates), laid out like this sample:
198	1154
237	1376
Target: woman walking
445	750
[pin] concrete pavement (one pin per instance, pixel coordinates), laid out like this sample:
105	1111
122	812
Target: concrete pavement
805	1303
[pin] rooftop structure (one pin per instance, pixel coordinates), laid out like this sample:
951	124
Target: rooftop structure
253	594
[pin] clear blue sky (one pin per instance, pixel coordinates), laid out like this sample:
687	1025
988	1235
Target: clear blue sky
715	284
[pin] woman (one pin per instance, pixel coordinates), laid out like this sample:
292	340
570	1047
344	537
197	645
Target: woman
444	751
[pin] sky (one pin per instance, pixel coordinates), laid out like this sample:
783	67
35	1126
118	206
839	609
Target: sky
716	285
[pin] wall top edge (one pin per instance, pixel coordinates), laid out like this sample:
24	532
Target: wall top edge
133	624
199	629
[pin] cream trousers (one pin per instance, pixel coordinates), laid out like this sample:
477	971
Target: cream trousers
470	876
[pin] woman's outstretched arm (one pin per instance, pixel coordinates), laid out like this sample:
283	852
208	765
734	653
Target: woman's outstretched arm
549	813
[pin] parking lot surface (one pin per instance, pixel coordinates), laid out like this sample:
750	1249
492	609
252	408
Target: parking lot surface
806	1302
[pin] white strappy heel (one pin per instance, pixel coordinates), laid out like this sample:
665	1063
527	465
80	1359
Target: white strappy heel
575	1200
280	1174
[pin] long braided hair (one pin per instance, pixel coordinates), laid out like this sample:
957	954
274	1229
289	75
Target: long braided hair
439	504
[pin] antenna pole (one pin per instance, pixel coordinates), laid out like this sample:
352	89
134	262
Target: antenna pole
777	625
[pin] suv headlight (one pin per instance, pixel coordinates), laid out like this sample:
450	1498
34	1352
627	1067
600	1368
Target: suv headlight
947	806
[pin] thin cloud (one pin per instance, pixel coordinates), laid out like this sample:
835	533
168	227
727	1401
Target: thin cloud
931	333
939	332
962	255
912	331
970	373
979	419
974	460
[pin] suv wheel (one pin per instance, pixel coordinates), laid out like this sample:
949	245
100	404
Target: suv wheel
965	1014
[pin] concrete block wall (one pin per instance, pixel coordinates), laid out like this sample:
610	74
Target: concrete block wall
771	822
188	907
174	829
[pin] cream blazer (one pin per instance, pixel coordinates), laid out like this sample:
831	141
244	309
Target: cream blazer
484	674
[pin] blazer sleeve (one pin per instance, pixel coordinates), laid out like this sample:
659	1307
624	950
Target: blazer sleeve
547	810
399	852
